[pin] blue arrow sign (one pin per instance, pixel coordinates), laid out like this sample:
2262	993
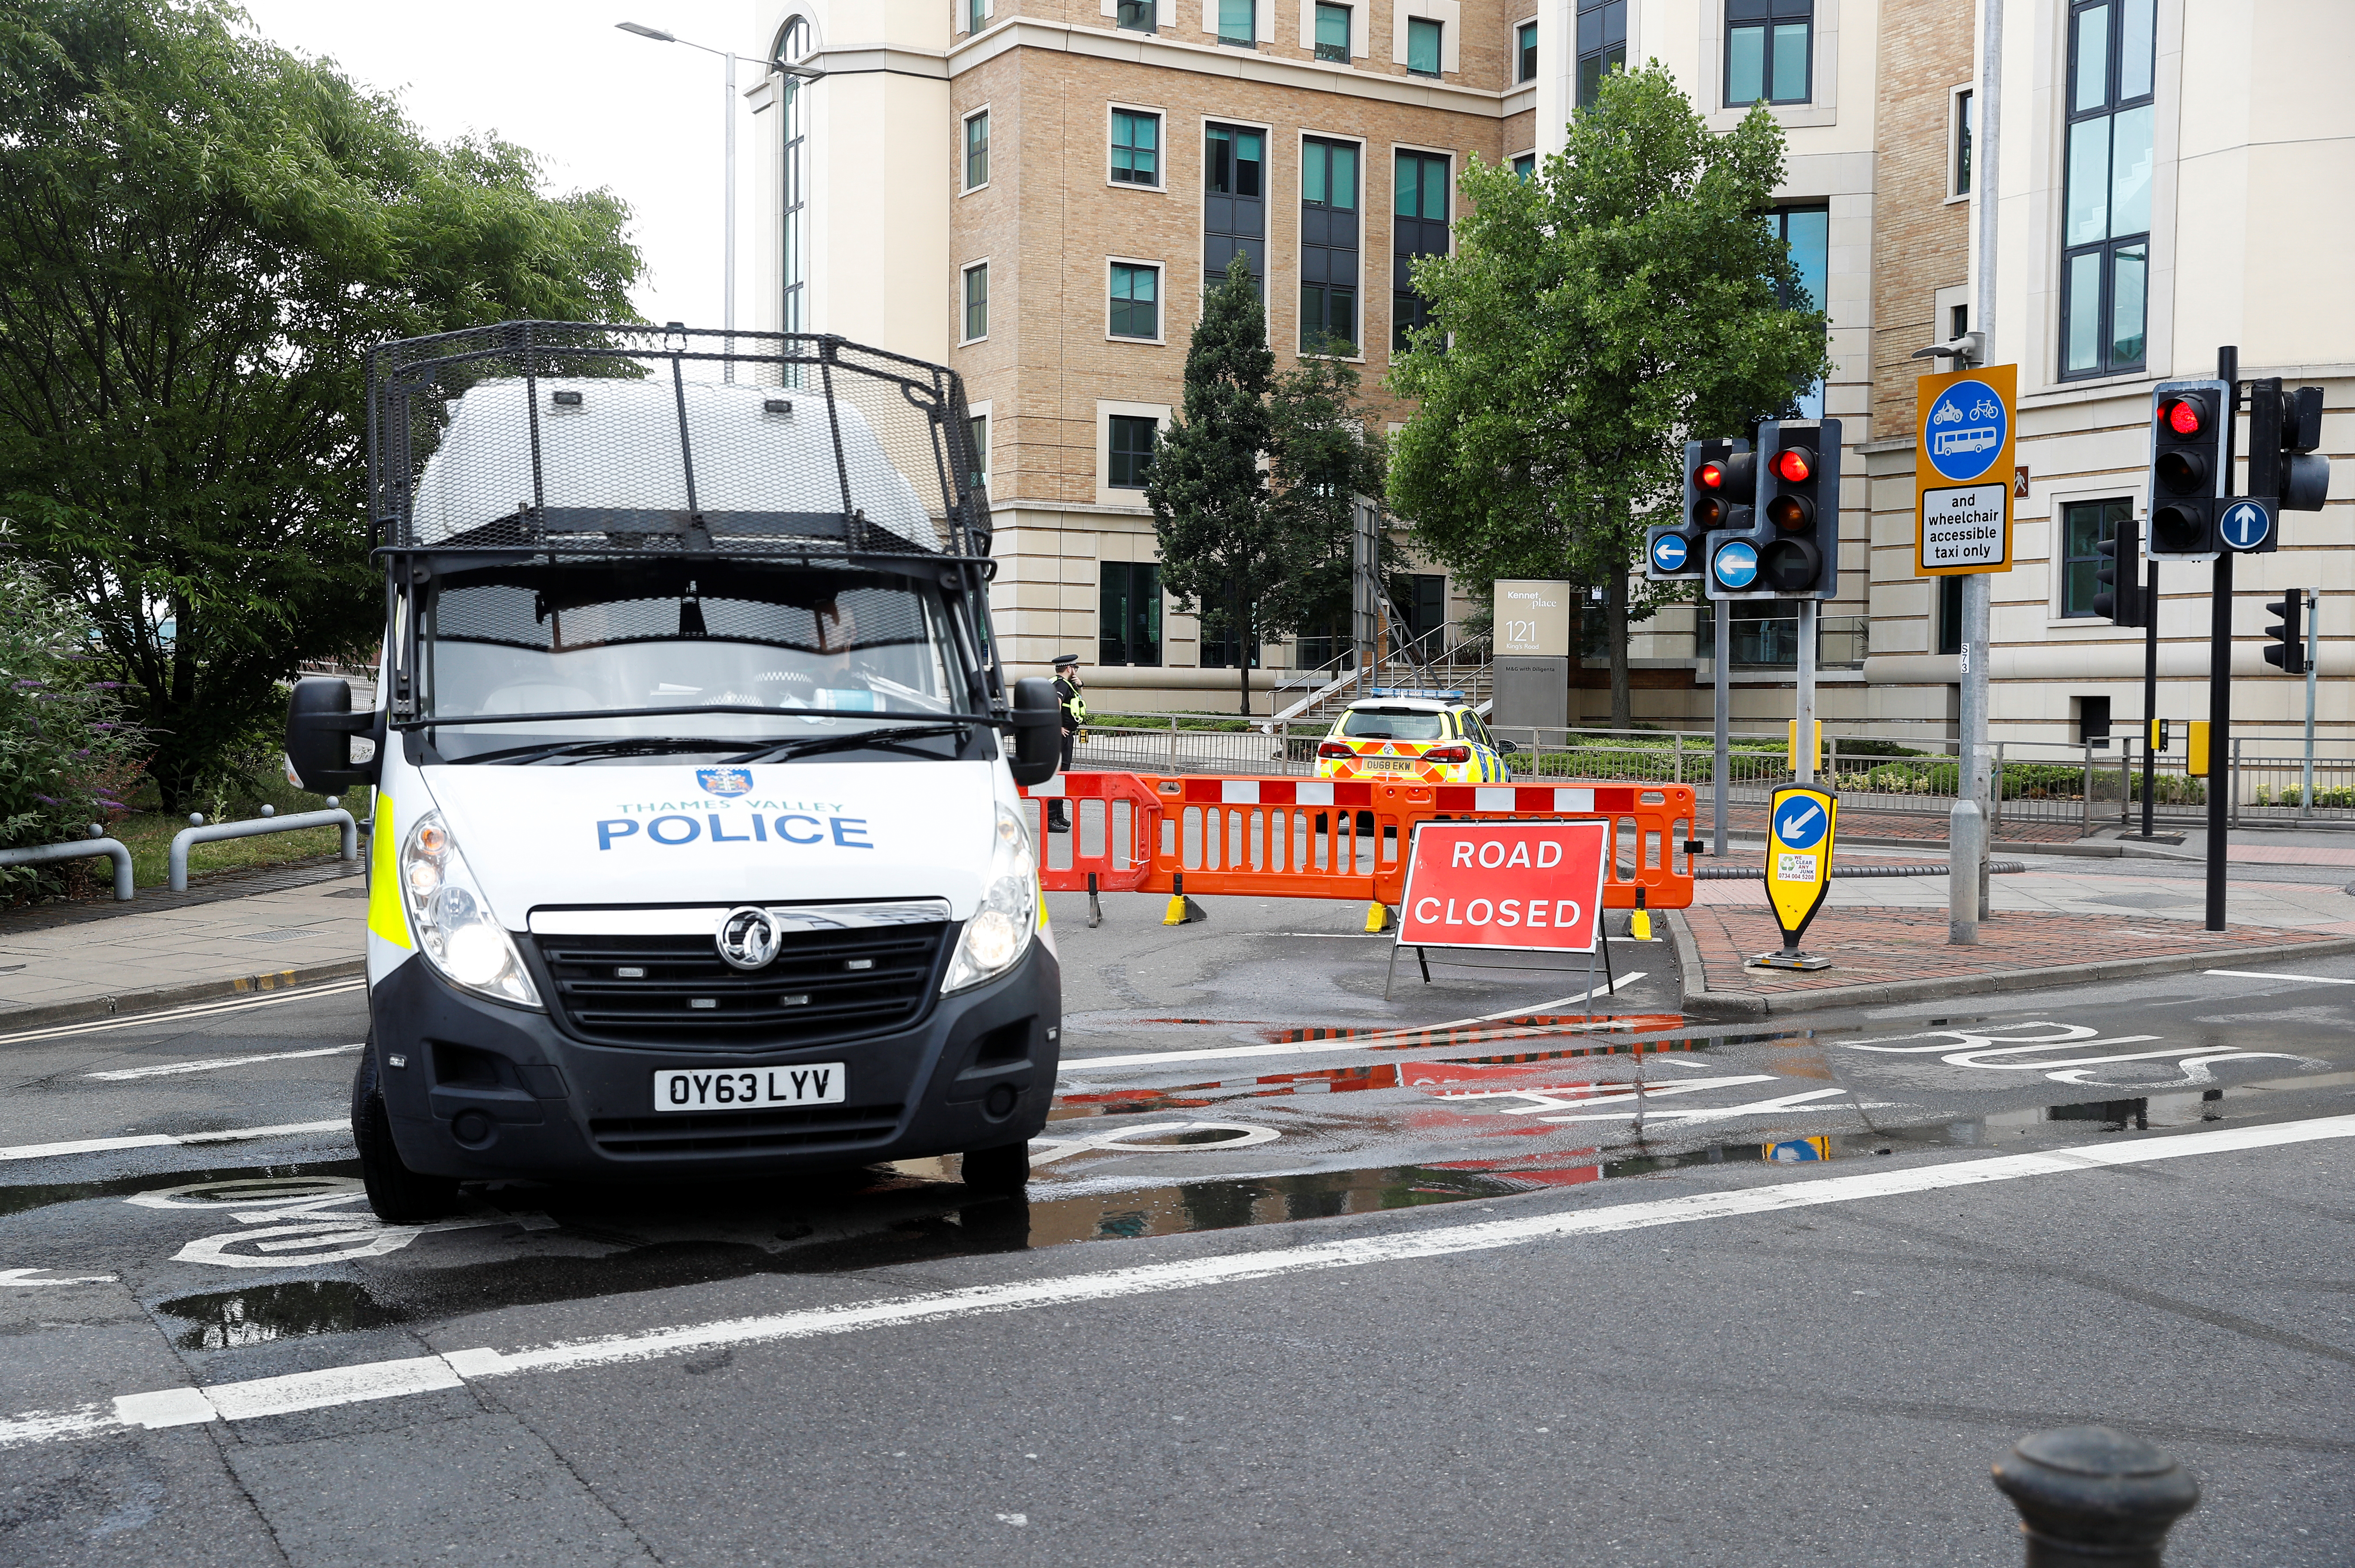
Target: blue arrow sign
1966	431
1669	552
1735	563
2244	525
1801	823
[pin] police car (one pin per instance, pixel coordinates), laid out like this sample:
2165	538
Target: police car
1418	737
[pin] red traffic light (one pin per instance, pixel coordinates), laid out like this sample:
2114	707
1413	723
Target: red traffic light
2186	417
1795	464
1710	476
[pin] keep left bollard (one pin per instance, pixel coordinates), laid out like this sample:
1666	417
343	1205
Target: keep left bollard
2092	1498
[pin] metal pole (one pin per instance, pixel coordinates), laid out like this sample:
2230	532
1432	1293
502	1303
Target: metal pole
1723	764
2219	666
2149	693
2313	648
728	236
1978	588
1803	743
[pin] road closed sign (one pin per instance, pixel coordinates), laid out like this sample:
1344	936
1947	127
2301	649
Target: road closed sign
1535	887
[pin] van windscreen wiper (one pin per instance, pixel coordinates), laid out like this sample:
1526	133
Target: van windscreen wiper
891	735
609	746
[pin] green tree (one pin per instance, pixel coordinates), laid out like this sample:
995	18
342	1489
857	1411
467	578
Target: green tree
1322	457
1592	319
201	235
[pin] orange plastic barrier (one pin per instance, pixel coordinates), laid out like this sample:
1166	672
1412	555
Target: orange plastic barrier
1317	838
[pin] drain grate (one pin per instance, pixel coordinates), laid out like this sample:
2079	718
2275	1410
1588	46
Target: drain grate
286	933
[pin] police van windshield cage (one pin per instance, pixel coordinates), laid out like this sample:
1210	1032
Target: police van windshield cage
569	439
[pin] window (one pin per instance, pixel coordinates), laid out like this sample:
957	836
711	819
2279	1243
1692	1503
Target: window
1221	648
1420	230
2094	722
1135	300
1328	247
1136	147
1963	128
977	430
1950	614
1808	231
1958	321
1525	52
1422	46
1234	202
976	14
2085	524
1239	23
1602	45
1768	46
1526	166
977	150
1136	16
792	43
1333	33
1128	619
1130	450
977	302
2105	230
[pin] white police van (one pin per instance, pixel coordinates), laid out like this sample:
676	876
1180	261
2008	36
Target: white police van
697	848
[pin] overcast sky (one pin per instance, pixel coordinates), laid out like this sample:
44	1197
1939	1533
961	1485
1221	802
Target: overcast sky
600	107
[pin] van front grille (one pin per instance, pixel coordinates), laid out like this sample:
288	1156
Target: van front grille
823	986
743	1132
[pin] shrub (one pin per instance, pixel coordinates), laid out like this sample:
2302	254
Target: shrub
68	757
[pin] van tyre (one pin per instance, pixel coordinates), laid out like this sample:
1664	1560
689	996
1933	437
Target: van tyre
1005	1169
399	1195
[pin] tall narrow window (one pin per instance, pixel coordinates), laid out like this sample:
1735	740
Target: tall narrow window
1234	202
1136	147
2085	526
977	150
1423	37
1420	229
1526	166
1808	231
976	14
794	179
977	429
1130	453
977	302
1963	129
1328	247
1525	52
1769	51
1134	16
1128	617
1135	300
2106	223
1239	23
1950	614
1333	33
1602	45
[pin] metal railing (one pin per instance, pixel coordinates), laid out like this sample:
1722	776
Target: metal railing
98	843
199	832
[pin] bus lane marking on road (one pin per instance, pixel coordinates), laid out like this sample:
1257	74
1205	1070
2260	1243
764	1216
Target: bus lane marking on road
171	1140
238	1401
302	1220
1994	1052
1121	1140
170	1069
25	1276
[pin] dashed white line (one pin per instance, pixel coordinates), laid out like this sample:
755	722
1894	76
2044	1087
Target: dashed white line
167	1140
242	1400
124	1074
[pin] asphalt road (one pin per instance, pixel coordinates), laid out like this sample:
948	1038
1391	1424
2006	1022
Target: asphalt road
1484	1273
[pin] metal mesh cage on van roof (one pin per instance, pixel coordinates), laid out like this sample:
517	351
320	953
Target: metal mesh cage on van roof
572	439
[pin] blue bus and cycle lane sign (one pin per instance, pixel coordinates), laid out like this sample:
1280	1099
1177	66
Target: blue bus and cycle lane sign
1963	470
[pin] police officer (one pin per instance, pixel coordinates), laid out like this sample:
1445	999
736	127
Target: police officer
1075	713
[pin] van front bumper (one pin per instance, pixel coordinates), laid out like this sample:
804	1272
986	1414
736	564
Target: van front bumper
485	1091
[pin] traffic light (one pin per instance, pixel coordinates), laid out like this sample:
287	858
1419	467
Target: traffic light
2186	467
1672	552
2288	633
2285	427
2118	596
1720	492
1798	502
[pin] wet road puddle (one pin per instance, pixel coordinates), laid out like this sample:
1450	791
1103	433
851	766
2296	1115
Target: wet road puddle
223	1320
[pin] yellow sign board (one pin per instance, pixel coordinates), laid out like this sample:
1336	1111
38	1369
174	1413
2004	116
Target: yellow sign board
1799	855
2197	767
1963	466
1791	743
2159	734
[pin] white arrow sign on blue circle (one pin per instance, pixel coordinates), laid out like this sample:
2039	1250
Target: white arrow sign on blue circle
1736	563
1669	552
1800	824
2244	525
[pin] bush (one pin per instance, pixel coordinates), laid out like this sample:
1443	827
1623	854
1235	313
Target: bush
67	758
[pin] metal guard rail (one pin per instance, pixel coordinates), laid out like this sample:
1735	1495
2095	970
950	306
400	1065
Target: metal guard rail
199	832
1277	837
75	849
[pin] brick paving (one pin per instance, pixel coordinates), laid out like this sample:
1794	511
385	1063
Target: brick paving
1869	945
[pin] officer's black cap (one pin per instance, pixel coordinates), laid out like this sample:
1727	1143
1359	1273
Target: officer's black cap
1064	660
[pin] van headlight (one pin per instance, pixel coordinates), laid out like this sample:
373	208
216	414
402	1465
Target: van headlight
1008	917
453	920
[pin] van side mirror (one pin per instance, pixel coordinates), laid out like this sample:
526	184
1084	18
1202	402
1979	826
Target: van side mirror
320	725
1037	733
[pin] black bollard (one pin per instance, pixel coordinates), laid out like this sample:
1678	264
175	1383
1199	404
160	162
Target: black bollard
2092	1498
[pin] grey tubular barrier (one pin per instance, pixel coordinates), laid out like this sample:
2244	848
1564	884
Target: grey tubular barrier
1922	869
96	844
199	832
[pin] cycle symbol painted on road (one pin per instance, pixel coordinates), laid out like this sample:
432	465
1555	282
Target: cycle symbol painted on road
300	1219
2057	1051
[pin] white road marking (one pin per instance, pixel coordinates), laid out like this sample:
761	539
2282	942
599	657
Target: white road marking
2261	975
1638	1100
1120	1140
2024	1053
385	1380
303	1214
168	1140
25	1276
124	1074
1389	1040
204	1009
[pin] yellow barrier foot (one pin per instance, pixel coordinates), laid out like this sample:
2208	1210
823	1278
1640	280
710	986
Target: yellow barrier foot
1639	925
1379	917
1183	911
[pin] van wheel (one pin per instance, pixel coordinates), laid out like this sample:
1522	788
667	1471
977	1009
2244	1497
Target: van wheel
399	1195
1005	1169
